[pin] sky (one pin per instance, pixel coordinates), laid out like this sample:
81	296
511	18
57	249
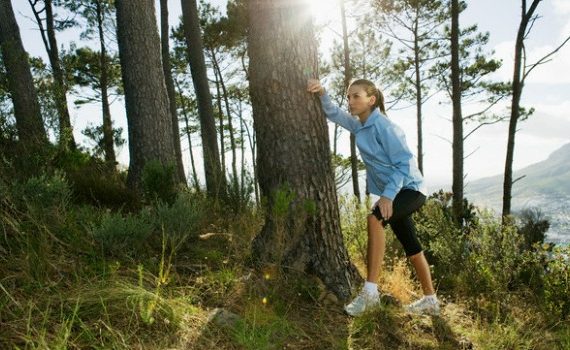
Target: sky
547	89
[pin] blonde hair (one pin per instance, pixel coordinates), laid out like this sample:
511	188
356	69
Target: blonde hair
371	90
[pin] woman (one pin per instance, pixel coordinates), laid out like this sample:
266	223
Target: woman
391	174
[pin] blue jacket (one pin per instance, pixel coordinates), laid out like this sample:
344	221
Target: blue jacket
390	165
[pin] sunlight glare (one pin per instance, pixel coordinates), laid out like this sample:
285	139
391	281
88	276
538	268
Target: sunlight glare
324	11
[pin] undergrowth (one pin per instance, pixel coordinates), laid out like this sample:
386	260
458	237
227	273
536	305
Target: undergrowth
175	274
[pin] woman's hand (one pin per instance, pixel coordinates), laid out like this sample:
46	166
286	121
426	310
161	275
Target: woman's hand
385	206
314	86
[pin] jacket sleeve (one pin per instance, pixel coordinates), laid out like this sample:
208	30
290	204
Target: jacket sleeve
337	115
393	141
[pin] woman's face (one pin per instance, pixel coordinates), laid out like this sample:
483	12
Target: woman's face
358	102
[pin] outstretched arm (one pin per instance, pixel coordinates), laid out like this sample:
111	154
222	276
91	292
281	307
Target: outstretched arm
332	111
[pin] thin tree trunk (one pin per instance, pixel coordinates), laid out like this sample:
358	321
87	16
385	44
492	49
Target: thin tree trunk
66	138
252	146
230	124
457	186
517	87
242	146
147	104
189	136
347	79
193	164
108	139
221	121
294	157
335	139
418	86
29	123
215	178
164	39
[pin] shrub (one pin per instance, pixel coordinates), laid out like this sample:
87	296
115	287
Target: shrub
120	235
42	193
184	217
353	224
533	226
96	184
240	195
158	181
443	242
557	283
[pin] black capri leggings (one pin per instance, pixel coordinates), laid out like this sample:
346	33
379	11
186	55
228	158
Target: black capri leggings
404	205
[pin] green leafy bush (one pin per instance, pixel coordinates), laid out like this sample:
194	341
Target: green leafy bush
444	243
184	217
557	283
121	235
533	226
95	184
158	181
43	193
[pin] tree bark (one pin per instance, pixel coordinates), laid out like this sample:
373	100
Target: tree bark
148	113
517	87
29	123
164	39
108	138
301	230
215	178
457	186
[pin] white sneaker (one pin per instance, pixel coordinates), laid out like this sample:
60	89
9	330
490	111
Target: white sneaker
363	302
425	306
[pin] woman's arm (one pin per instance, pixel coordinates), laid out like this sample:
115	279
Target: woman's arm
332	111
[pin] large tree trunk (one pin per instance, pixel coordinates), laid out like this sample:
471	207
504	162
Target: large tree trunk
517	87
108	138
148	113
301	230
66	138
29	122
457	186
215	178
347	79
164	39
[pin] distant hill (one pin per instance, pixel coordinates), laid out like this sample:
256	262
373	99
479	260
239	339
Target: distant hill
546	185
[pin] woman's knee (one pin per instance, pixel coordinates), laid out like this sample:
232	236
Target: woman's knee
416	257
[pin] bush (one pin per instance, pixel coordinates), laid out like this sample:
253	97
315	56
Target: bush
483	258
96	184
533	227
494	262
354	225
43	193
445	246
120	235
184	217
557	283
158	182
240	195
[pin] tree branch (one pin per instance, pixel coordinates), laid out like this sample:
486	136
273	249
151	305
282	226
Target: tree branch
545	58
